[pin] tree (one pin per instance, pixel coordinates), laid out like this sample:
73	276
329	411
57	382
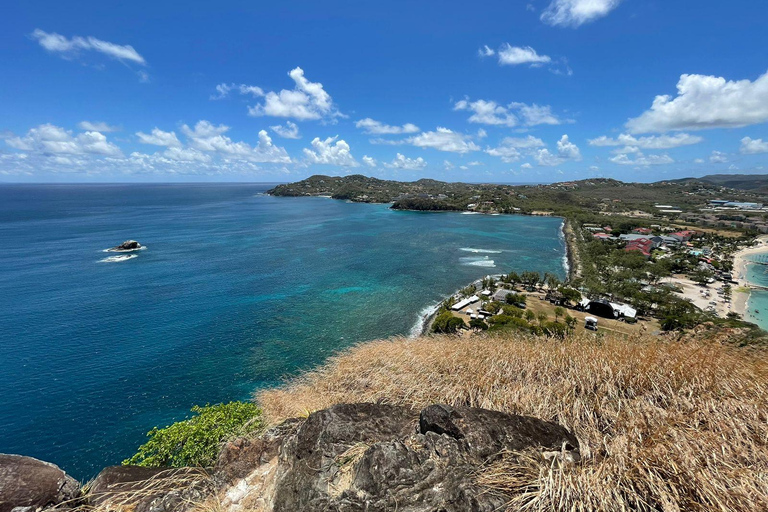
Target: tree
552	281
570	295
446	323
727	292
195	441
476	323
570	322
559	312
701	276
541	317
530	315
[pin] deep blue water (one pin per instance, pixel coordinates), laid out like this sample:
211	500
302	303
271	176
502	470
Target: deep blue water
235	291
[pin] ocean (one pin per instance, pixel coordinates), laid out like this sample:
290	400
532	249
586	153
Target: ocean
757	304
236	291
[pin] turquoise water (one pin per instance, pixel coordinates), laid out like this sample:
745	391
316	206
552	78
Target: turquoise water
757	306
236	291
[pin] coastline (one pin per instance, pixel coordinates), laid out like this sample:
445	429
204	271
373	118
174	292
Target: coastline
571	266
740	267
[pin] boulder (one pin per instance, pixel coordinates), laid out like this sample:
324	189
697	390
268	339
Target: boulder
128	245
28	485
140	489
374	457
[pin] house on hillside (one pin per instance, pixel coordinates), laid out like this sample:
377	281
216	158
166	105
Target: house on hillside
606	309
642	231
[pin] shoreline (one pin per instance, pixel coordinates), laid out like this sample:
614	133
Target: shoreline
741	263
570	263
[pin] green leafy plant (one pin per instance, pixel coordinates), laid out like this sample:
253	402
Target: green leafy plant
195	441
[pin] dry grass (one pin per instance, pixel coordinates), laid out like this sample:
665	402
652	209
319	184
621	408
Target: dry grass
663	425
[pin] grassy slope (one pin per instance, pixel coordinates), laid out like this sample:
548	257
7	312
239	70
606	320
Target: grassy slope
663	424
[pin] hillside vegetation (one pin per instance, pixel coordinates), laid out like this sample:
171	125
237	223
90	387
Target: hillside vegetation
664	423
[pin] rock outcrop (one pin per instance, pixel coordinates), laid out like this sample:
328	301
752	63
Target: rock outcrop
377	457
128	245
29	485
349	457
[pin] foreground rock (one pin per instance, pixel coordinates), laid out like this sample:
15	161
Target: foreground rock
350	457
28	485
376	457
139	489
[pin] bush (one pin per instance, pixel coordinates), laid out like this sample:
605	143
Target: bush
476	323
195	441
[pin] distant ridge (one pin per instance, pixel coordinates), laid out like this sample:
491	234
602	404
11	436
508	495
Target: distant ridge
750	182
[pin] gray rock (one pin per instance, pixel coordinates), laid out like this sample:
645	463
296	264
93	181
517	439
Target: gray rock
369	457
28	485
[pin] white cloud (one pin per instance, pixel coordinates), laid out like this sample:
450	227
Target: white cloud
515	55
699	161
379	141
566	150
651	142
536	114
289	131
573	13
751	146
306	101
718	157
69	48
486	51
481	134
448	165
209	138
526	166
487	112
444	139
408	164
330	151
642	160
374	127
509	149
143	76
706	102
159	138
491	113
186	155
48	139
97	127
223	90
370	162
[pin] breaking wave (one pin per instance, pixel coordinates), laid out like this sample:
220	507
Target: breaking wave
480	251
118	259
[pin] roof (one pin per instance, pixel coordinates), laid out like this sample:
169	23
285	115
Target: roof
466	302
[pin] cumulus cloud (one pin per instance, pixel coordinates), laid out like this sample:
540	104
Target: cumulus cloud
651	142
159	138
704	101
574	13
331	152
718	157
511	149
641	160
70	48
97	127
751	146
566	151
487	112
444	139
374	127
48	139
306	101
491	113
289	131
407	164
369	161
526	166
515	55
210	138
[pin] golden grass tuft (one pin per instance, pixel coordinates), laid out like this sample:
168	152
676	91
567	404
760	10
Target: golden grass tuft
663	425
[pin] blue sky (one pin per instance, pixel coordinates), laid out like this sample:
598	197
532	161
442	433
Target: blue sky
528	91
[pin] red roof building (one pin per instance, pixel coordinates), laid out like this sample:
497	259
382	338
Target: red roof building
643	245
642	231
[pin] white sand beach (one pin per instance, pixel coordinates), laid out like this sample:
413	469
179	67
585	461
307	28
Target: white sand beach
740	263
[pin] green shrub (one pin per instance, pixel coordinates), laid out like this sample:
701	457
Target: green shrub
446	323
195	441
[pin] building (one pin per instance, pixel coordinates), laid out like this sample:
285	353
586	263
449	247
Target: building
605	309
642	231
683	236
643	246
